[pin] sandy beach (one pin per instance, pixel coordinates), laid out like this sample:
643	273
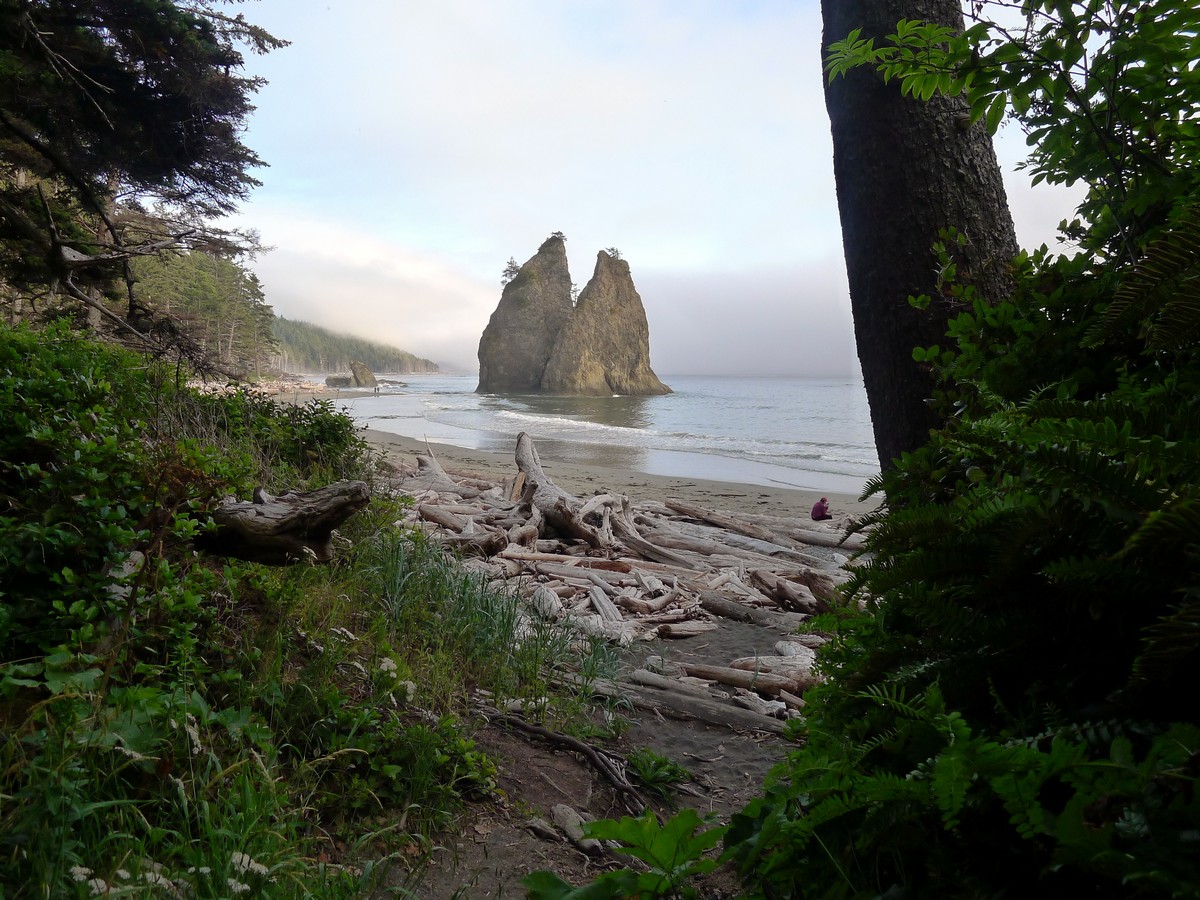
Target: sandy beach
587	481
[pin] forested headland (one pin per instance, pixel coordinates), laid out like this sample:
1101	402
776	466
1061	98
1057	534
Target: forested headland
306	348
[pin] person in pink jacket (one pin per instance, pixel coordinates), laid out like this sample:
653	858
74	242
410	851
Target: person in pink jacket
820	510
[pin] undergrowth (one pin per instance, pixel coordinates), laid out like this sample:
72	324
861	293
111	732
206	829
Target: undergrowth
212	726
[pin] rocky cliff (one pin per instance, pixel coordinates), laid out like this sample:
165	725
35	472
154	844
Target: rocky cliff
604	348
535	305
537	341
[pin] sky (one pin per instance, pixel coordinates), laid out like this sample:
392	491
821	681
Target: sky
415	146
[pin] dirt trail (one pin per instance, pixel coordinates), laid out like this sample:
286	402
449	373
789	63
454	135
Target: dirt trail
496	847
783	574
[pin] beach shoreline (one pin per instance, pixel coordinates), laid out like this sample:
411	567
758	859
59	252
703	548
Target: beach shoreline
587	480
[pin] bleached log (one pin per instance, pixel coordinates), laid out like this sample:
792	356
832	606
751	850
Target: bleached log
582	562
734	541
469	511
484	542
601	582
835	541
646	678
792	700
562	511
440	516
677	705
566	570
739	612
647	605
431	476
521	535
824	585
284	529
797	669
605	607
559	508
687	629
517	487
678	540
625	529
800	645
665	570
788	594
621	633
732	523
731	581
648	582
755	681
546	602
750	700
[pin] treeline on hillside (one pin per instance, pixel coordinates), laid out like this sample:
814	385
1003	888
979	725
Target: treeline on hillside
304	347
217	301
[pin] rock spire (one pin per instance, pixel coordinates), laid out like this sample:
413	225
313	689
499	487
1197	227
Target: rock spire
537	341
535	305
604	347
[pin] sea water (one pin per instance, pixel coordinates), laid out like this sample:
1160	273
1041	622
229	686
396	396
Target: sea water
810	433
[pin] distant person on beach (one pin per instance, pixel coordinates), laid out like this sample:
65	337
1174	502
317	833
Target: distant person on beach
820	510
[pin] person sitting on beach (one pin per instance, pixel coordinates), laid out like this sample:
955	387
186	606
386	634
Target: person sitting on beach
820	510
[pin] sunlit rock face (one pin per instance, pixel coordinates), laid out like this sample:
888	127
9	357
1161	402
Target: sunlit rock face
604	348
537	342
516	344
363	377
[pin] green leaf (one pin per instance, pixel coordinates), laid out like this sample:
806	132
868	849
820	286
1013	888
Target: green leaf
995	113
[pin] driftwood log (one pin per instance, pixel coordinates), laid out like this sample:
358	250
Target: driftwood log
281	530
605	567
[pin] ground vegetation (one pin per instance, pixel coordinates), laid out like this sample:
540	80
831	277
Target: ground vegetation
205	725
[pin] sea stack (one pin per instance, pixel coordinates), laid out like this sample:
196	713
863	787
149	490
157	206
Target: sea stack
363	377
535	305
604	348
539	342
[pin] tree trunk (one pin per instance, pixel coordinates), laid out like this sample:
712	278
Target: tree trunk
906	169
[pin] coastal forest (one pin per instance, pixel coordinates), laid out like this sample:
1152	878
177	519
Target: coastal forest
304	347
1007	702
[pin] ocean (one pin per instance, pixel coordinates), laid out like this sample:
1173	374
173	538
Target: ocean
808	433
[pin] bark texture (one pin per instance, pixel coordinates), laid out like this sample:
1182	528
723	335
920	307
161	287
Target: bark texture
905	170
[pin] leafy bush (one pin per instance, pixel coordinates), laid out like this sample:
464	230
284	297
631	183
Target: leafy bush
209	726
1008	705
673	854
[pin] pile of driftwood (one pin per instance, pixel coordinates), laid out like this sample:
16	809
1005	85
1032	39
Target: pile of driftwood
630	572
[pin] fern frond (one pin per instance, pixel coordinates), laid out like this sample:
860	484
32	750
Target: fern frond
1119	486
1167	644
1175	525
1162	295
